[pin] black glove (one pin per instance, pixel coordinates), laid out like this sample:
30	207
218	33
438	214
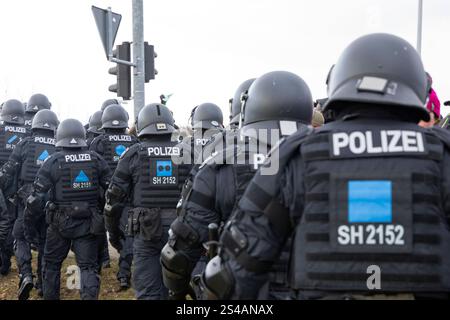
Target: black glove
29	226
112	223
116	239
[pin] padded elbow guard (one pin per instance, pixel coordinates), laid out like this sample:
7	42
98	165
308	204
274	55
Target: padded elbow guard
114	197
7	173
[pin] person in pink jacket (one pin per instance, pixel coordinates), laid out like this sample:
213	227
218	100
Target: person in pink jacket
433	106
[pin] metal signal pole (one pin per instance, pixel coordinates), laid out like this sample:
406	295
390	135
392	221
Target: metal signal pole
419	28
139	57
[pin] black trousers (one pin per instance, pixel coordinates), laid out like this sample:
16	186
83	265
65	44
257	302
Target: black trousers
86	254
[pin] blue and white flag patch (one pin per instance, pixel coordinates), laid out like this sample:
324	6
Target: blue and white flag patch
44	155
370	201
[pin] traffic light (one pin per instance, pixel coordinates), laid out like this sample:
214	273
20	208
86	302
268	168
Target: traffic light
150	55
122	72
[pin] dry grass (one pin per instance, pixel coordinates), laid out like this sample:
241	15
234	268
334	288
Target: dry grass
108	291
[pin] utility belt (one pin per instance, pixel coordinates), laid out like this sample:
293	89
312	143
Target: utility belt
56	214
74	210
146	223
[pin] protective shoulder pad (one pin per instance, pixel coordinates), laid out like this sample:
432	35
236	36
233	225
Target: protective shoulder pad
94	143
134	140
53	158
282	152
94	154
288	146
443	135
24	142
222	157
132	150
27	139
186	144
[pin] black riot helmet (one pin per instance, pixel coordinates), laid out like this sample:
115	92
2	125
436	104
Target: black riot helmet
235	102
109	102
276	100
45	120
380	69
207	116
155	119
115	117
38	102
95	122
71	134
13	112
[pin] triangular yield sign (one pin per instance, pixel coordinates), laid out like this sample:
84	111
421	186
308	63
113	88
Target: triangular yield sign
101	19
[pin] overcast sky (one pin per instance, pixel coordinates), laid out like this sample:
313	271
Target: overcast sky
206	48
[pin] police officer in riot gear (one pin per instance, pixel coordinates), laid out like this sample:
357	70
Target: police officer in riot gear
109	102
23	165
270	112
147	172
207	116
12	131
93	130
206	121
94	127
111	145
114	140
36	103
236	103
68	187
366	196
215	142
228	136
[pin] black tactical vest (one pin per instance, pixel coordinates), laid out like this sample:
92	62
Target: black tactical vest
373	207
38	150
114	146
243	174
235	166
10	136
78	178
160	179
